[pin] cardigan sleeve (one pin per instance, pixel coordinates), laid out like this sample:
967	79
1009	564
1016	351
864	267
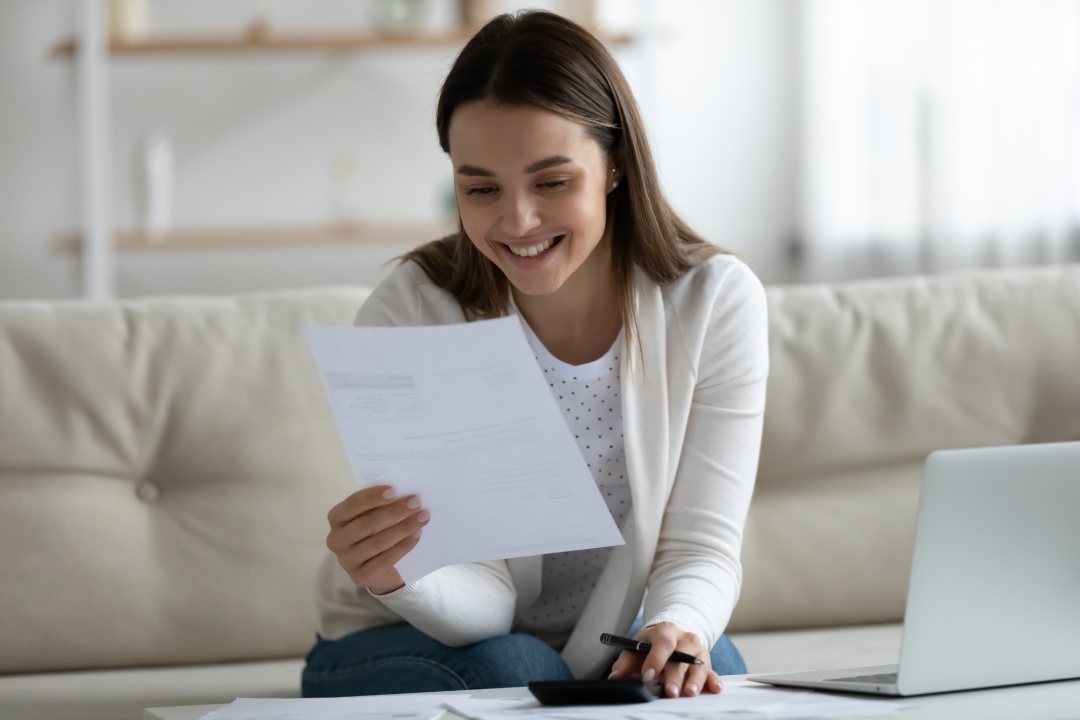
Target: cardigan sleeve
457	605
696	573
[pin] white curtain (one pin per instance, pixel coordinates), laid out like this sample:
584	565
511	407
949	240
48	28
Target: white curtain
938	134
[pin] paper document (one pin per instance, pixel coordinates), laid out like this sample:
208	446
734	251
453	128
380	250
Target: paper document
740	697
462	416
370	707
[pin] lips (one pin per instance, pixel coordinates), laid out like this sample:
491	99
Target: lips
535	249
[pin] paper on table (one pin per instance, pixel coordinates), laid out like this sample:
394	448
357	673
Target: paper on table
362	708
739	697
461	416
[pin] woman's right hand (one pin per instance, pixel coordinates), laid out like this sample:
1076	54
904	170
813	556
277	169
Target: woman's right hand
370	531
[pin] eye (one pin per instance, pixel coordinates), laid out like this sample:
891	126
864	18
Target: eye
552	184
480	191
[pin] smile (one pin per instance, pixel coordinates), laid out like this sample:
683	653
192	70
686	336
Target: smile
534	250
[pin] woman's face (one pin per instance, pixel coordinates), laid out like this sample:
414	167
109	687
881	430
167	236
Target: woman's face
531	189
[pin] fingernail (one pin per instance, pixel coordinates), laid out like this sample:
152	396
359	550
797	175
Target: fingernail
389	493
649	675
673	690
613	674
414	502
417	534
423	516
692	689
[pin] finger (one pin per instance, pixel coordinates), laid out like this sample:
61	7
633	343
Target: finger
372	522
389	558
713	684
663	644
694	675
364	551
360	502
695	679
628	664
674	678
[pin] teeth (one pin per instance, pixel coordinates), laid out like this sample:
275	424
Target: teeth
532	251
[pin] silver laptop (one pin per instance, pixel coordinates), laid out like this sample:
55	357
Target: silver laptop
994	597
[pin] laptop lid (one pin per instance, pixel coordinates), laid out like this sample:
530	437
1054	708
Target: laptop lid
994	596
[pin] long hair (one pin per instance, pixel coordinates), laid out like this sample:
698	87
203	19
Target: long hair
541	59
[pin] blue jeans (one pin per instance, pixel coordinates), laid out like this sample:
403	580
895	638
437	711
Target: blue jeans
399	658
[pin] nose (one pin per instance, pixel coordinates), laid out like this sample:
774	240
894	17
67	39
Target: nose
520	216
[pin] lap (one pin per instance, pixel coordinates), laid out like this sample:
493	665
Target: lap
398	658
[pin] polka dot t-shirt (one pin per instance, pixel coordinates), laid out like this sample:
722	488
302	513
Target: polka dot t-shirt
589	398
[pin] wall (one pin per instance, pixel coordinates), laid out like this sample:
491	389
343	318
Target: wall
258	137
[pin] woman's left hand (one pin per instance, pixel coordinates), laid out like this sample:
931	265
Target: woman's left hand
677	679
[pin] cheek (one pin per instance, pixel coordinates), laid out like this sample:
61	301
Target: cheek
474	221
477	229
587	212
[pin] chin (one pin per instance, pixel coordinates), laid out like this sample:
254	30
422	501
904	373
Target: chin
534	287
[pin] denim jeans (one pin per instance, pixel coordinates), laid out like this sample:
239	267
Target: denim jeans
399	658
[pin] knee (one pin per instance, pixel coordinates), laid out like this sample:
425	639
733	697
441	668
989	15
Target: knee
726	659
513	661
388	675
382	660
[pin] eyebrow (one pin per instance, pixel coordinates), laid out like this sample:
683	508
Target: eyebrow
535	167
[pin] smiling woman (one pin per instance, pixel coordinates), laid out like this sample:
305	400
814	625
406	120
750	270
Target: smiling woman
655	345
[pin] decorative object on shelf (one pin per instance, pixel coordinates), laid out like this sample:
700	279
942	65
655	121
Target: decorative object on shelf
128	19
475	13
263	21
401	16
158	177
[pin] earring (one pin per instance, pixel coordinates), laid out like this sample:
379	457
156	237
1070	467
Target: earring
614	184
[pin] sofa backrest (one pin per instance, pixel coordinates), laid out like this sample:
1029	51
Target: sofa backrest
866	380
166	467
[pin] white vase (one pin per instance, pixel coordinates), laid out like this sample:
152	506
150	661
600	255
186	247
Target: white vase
158	179
128	19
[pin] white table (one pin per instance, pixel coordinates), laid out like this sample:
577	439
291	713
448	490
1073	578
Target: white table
1045	701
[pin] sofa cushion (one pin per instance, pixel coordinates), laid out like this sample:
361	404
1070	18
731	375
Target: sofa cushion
166	466
819	648
866	379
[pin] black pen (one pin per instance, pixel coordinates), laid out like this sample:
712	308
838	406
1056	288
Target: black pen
644	647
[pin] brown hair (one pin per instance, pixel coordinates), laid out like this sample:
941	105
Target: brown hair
541	59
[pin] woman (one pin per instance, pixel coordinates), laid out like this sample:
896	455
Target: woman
637	322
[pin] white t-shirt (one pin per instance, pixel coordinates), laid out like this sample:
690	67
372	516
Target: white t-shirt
588	396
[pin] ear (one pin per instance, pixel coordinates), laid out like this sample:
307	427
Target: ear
615	176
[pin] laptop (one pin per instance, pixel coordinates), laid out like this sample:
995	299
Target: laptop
994	596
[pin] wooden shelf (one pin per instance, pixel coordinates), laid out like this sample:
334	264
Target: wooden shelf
263	42
273	237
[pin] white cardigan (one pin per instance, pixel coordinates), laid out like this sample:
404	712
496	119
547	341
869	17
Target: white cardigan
693	402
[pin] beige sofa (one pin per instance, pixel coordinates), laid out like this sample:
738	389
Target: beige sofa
166	466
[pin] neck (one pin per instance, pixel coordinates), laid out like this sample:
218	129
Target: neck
579	322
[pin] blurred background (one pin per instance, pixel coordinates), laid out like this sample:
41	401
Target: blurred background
210	146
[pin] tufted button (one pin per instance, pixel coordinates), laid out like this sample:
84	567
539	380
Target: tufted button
147	492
